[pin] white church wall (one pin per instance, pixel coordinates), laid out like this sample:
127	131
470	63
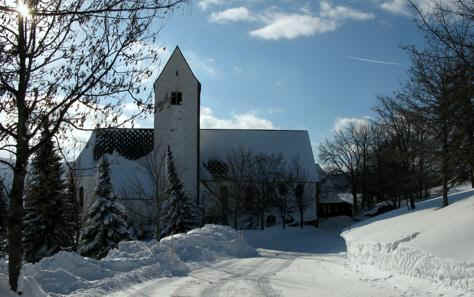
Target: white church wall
85	173
291	144
177	126
132	184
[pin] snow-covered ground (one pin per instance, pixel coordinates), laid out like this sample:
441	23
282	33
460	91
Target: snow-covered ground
422	253
292	262
430	243
69	274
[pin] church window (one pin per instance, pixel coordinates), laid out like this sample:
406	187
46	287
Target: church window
176	98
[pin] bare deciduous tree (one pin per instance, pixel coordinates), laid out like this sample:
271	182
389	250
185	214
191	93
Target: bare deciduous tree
297	180
63	61
342	156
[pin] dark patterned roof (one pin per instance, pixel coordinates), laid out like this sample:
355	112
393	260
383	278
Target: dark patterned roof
130	143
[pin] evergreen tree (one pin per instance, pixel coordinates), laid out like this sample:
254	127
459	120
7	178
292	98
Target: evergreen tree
105	224
45	227
180	213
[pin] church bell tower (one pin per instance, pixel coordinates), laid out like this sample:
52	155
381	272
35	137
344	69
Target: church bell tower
177	102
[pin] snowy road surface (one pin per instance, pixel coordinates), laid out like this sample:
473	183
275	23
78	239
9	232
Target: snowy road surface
294	263
278	273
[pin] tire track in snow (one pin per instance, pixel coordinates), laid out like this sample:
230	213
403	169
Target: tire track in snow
212	274
234	278
258	281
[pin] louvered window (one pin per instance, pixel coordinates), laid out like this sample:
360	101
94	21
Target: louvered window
176	98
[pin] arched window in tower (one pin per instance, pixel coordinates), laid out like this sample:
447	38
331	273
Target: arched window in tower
176	98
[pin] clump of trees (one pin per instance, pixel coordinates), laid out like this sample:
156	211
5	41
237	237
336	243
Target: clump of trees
424	133
245	184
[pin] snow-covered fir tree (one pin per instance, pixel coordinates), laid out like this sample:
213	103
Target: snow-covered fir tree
105	225
180	213
46	229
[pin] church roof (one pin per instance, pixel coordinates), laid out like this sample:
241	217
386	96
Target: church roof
130	143
217	144
177	53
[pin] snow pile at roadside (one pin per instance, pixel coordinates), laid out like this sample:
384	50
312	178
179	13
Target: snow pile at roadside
430	243
208	244
69	274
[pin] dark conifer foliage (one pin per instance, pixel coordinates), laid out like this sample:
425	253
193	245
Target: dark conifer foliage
46	229
180	213
105	225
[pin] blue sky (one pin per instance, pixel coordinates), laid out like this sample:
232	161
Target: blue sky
291	64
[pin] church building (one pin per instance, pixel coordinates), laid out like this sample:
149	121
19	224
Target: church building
136	155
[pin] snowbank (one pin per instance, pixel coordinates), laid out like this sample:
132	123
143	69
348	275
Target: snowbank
430	243
69	274
209	243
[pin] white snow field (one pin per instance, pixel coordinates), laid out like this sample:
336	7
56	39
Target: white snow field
422	253
431	243
292	262
69	274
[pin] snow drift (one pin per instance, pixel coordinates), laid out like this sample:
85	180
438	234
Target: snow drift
430	243
69	274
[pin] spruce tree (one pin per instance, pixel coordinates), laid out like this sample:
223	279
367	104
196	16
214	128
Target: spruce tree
180	213
45	227
105	224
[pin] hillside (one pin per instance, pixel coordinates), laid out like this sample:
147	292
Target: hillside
430	242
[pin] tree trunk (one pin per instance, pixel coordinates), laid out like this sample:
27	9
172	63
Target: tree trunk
471	173
283	221
354	204
301	218
412	201
445	190
262	220
15	223
318	195
236	217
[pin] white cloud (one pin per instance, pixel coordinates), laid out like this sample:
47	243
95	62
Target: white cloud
201	65
282	25
236	14
205	4
342	123
402	7
396	6
343	13
247	120
290	26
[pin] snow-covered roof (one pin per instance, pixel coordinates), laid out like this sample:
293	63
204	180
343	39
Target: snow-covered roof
347	197
291	144
127	162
